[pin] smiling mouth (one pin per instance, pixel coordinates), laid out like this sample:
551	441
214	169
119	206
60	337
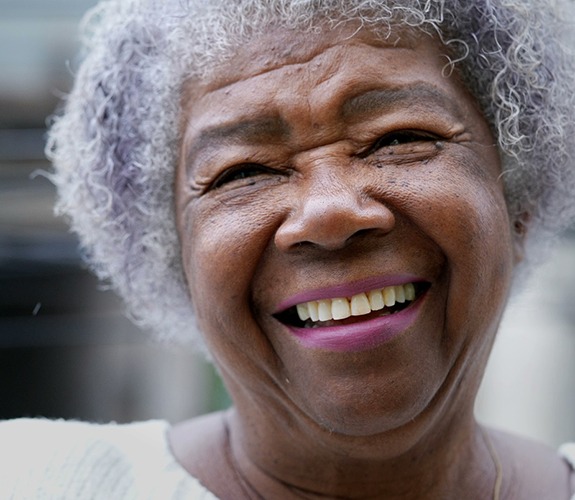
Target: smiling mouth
344	310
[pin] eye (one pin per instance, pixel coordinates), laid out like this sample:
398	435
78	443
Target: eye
239	173
402	137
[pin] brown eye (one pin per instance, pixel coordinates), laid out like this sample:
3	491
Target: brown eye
239	173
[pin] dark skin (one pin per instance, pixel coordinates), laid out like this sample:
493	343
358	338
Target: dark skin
318	161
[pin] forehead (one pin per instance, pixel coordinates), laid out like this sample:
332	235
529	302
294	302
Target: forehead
280	47
284	77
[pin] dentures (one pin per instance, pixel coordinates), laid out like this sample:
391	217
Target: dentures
361	304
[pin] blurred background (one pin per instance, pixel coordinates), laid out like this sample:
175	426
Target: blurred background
66	349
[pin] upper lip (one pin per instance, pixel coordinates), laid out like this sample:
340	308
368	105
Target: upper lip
346	289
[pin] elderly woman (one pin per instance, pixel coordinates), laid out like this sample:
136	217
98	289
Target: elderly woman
339	195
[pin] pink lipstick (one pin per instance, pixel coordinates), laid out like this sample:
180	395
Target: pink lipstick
358	332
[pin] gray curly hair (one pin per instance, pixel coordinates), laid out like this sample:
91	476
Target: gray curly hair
115	146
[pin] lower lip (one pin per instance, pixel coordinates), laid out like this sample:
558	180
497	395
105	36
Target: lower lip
360	336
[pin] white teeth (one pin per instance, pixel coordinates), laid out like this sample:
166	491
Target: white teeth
312	308
358	305
303	312
376	300
340	308
389	296
399	294
324	310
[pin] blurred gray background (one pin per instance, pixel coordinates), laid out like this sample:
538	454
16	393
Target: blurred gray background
67	351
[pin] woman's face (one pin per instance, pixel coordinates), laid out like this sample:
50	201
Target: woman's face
358	178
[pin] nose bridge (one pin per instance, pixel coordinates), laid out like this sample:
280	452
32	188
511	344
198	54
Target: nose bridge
330	206
331	194
328	184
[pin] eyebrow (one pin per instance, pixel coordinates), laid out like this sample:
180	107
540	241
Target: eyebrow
270	128
417	95
250	131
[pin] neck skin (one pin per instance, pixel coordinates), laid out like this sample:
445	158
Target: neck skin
248	453
451	462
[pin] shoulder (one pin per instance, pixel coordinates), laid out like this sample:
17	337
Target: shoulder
64	459
532	470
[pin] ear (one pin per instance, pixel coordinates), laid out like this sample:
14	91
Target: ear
520	230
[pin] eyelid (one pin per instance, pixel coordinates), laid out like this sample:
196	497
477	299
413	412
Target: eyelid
413	136
226	176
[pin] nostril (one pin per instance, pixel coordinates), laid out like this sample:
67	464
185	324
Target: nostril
327	243
330	220
360	233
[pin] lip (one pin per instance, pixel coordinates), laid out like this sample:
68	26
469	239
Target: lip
347	289
360	336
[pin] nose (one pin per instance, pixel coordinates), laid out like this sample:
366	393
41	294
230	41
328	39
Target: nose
330	214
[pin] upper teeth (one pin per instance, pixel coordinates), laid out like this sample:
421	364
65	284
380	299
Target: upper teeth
358	305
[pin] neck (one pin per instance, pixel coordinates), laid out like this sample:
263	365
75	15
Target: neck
451	461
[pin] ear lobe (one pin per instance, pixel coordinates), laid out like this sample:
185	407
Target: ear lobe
520	231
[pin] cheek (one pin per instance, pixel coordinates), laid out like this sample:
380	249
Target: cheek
472	226
466	213
467	218
213	247
221	247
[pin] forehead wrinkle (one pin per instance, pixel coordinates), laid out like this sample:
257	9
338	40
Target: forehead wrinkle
420	95
262	130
